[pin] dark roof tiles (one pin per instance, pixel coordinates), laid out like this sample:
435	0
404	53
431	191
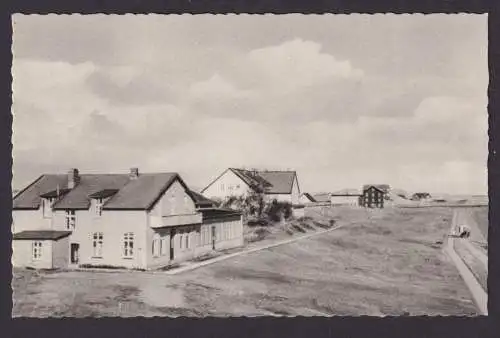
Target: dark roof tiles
29	198
142	192
139	193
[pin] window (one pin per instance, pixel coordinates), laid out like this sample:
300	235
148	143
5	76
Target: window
187	240
237	186
128	244
97	241
98	206
222	186
172	204
37	250
180	241
163	246
156	245
70	219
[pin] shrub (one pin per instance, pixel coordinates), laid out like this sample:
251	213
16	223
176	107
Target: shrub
278	210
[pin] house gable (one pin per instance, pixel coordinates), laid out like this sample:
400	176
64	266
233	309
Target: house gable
176	199
227	184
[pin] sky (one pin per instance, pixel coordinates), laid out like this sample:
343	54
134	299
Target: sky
344	100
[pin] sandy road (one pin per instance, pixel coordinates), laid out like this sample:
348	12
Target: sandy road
461	216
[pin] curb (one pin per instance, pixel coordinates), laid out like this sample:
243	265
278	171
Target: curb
479	296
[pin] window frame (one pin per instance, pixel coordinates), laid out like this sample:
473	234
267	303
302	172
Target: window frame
97	244
163	246
128	245
36	250
70	219
155	246
98	206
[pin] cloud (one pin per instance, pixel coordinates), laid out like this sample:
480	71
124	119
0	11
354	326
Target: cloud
341	99
129	86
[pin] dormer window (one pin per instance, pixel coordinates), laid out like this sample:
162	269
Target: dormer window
47	204
70	219
49	198
98	206
100	197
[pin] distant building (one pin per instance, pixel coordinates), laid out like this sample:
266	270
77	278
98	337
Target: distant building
346	197
372	197
306	198
131	220
418	196
323	198
282	186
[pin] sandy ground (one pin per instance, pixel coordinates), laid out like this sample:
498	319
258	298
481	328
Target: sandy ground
481	216
385	262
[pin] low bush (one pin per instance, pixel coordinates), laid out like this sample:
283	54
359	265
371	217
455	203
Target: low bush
276	211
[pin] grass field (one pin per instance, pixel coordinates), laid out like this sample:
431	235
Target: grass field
382	262
481	217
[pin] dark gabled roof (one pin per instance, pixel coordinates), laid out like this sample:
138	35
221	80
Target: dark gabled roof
105	193
41	235
251	178
55	193
217	213
281	181
367	187
382	187
143	192
78	197
309	197
29	197
272	182
201	201
125	193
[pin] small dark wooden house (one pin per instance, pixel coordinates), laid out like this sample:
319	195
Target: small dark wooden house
372	197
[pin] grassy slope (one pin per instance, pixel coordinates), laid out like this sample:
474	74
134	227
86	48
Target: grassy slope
383	262
481	217
475	266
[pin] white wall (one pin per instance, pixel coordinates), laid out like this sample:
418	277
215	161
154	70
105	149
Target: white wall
344	200
22	254
30	220
60	253
228	234
113	224
229	184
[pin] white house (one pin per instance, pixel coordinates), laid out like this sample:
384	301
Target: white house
134	220
279	185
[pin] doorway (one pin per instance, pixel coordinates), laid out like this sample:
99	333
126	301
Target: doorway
213	237
172	242
75	253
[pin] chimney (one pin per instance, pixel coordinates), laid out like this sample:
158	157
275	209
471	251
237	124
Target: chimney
134	173
73	178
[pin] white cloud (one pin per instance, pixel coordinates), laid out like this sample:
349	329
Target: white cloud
341	106
293	64
215	88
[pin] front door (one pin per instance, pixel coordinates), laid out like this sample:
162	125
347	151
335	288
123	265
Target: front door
75	248
172	242
213	237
